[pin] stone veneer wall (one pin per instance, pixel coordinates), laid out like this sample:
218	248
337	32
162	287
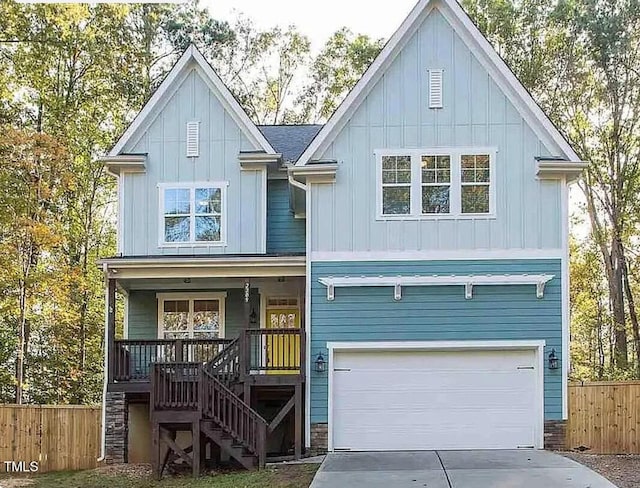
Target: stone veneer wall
555	434
116	423
319	438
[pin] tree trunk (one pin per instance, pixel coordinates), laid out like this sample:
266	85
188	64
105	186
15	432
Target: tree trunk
635	329
22	340
600	325
616	294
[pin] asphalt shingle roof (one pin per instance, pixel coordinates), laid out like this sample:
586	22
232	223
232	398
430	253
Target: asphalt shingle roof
290	140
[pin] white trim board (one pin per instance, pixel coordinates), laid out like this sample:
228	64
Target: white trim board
537	345
188	59
468	281
479	46
566	277
437	255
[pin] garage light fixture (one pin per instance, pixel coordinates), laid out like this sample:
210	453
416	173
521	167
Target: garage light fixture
553	360
321	364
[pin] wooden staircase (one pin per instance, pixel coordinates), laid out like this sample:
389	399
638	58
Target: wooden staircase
198	397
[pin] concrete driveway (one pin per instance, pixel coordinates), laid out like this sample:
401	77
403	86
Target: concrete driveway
455	469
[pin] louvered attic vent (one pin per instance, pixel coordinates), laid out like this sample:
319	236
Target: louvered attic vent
193	139
435	88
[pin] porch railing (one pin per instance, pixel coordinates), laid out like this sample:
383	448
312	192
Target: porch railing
175	386
276	351
256	351
132	359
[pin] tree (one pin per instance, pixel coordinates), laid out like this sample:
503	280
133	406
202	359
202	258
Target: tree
35	174
267	95
580	61
77	72
337	68
604	127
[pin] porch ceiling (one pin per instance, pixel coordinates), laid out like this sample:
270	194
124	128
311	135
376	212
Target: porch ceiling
204	267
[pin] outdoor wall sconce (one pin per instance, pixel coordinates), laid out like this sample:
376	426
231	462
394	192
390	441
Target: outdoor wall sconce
320	363
253	317
553	360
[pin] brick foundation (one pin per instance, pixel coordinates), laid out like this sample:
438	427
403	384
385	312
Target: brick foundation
116	428
319	439
555	435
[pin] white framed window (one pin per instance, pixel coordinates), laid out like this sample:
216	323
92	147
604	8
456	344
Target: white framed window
475	191
396	184
191	315
192	213
437	183
435	172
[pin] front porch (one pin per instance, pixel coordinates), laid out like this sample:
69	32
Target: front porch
218	363
270	356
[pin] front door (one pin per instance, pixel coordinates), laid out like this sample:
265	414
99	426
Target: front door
283	349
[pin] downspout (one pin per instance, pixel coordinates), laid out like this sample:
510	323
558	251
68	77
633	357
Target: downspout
103	430
296	183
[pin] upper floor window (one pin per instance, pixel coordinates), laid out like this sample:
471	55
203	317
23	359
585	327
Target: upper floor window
192	213
442	183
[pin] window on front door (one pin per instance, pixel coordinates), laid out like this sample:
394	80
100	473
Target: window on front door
195	317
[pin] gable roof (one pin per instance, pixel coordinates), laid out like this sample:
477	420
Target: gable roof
290	140
192	57
479	46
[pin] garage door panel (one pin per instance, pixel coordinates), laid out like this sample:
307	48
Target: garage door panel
411	360
434	400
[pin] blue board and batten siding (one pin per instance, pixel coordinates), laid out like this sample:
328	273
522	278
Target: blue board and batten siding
436	313
164	142
396	114
285	233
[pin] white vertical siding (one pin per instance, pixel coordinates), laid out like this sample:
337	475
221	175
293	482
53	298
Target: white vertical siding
221	139
396	114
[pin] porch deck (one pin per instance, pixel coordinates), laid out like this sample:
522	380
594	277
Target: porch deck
264	356
222	391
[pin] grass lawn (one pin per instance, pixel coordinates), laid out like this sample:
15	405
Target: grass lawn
284	476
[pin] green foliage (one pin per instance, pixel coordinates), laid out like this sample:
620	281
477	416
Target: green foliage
580	61
35	176
337	68
71	78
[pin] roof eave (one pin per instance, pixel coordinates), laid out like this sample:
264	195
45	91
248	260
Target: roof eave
560	169
124	163
258	160
316	173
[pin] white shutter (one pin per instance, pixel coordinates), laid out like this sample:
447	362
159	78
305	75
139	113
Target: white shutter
193	139
435	88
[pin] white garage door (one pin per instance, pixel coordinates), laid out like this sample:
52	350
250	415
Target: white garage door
414	400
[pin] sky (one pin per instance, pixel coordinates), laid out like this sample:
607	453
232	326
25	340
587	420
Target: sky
319	19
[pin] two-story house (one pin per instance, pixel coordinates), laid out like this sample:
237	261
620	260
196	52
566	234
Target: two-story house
396	279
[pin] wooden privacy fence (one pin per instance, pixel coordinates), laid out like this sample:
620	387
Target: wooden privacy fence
605	417
59	437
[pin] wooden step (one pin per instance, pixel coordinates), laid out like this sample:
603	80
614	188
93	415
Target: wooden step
235	450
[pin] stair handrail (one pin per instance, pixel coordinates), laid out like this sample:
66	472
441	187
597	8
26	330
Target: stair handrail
225	365
233	415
